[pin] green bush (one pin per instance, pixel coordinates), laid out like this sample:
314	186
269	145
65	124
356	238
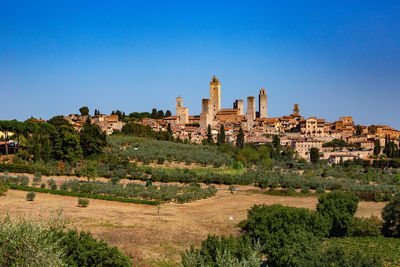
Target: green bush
43	185
339	208
271	225
391	217
30	196
366	227
83	202
53	187
3	189
305	190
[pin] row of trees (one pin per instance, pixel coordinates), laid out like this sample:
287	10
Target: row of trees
55	139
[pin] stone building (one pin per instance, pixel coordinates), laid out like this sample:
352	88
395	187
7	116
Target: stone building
181	112
262	104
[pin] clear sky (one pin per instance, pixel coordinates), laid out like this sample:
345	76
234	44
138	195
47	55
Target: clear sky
333	58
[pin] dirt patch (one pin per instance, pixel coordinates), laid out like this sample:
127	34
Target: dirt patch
149	235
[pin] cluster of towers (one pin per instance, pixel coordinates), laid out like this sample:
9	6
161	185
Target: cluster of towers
211	108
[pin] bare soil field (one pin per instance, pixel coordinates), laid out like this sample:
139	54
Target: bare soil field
151	236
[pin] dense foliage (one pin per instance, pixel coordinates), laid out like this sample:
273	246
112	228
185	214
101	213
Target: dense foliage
339	208
391	217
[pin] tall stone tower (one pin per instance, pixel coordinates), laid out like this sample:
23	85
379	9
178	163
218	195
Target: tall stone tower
296	110
238	104
215	96
251	111
205	116
181	112
262	103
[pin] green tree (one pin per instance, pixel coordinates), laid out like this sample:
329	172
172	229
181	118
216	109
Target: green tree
90	170
160	114
314	155
339	208
58	121
221	136
377	147
272	225
67	145
168	113
210	139
154	113
240	139
92	139
84	111
391	217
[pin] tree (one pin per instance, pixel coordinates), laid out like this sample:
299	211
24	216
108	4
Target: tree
391	217
92	139
377	147
240	139
90	170
272	225
154	113
210	139
314	155
221	136
30	196
67	145
84	111
339	208
168	113
160	114
58	121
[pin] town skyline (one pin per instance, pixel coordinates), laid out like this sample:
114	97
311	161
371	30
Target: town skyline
341	59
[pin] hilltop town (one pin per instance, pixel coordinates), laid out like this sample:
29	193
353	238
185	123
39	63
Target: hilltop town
294	130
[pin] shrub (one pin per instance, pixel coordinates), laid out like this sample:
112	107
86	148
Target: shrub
54	187
30	196
3	189
81	249
339	208
305	190
391	217
43	185
366	227
33	244
83	202
320	190
273	224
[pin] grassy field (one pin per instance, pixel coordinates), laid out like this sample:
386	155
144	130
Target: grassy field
154	237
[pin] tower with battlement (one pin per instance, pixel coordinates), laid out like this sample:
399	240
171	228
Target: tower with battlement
262	103
215	96
181	112
238	104
251	112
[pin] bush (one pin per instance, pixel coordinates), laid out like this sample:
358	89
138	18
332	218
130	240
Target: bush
391	217
320	190
54	187
3	189
30	196
305	190
366	227
273	224
339	208
83	202
43	185
81	249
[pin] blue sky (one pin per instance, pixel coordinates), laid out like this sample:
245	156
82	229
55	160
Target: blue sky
333	58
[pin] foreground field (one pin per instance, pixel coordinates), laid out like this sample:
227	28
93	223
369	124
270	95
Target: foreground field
153	236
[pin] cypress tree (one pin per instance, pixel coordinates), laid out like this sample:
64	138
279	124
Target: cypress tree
210	139
240	139
221	136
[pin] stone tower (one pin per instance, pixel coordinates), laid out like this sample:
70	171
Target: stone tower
296	109
181	112
205	116
251	111
238	104
215	96
262	103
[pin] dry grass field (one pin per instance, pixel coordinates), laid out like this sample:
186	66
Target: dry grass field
154	237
